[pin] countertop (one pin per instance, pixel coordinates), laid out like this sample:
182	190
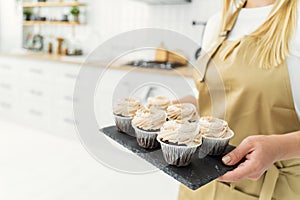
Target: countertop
185	71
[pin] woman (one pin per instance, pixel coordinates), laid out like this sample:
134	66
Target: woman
253	56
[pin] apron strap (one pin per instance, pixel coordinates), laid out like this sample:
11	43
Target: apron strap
269	183
272	176
202	65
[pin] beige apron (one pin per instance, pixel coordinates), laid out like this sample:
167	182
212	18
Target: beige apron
256	101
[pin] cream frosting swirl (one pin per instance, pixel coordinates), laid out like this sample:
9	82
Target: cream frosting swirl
213	127
126	107
185	111
180	132
159	102
149	119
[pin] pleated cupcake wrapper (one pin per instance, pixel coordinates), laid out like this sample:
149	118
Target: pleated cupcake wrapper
124	125
177	155
146	139
214	146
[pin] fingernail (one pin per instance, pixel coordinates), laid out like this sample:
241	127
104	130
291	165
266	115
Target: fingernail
226	159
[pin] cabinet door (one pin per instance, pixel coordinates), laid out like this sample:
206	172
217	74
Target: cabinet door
103	99
66	74
6	69
8	87
35	70
36	115
63	85
63	123
8	106
63	96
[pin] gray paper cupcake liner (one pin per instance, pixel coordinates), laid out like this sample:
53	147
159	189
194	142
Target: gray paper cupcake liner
177	155
214	146
123	124
146	139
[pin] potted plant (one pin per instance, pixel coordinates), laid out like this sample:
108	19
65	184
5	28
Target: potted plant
27	13
75	13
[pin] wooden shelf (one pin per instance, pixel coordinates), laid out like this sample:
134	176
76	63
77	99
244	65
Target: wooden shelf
52	4
34	23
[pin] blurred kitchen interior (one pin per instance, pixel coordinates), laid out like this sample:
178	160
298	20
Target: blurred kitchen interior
42	47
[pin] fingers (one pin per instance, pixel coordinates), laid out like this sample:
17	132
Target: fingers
254	149
241	172
238	153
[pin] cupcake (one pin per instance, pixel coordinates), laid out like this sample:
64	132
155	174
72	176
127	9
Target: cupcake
124	111
159	102
147	123
216	135
179	141
185	111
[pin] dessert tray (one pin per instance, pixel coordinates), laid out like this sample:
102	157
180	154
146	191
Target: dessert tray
200	172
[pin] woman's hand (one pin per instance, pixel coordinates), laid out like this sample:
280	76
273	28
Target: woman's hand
260	152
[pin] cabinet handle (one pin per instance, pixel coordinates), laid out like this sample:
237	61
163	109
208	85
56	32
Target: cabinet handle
36	93
70	121
70	99
36	71
71	76
5	66
5	105
6	86
36	112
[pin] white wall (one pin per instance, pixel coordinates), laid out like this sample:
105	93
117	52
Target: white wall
10	25
123	15
110	17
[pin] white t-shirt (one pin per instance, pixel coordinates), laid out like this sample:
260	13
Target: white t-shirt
249	20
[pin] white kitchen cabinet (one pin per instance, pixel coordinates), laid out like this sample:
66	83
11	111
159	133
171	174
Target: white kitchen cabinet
31	90
40	93
7	105
8	88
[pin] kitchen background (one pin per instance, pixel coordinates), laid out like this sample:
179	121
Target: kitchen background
108	18
40	155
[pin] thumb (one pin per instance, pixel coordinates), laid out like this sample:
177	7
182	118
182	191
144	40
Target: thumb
237	154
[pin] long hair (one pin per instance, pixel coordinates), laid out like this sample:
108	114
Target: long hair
272	38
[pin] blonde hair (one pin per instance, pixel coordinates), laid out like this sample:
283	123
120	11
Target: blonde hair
272	38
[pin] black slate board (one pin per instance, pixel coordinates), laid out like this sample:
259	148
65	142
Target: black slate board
200	172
